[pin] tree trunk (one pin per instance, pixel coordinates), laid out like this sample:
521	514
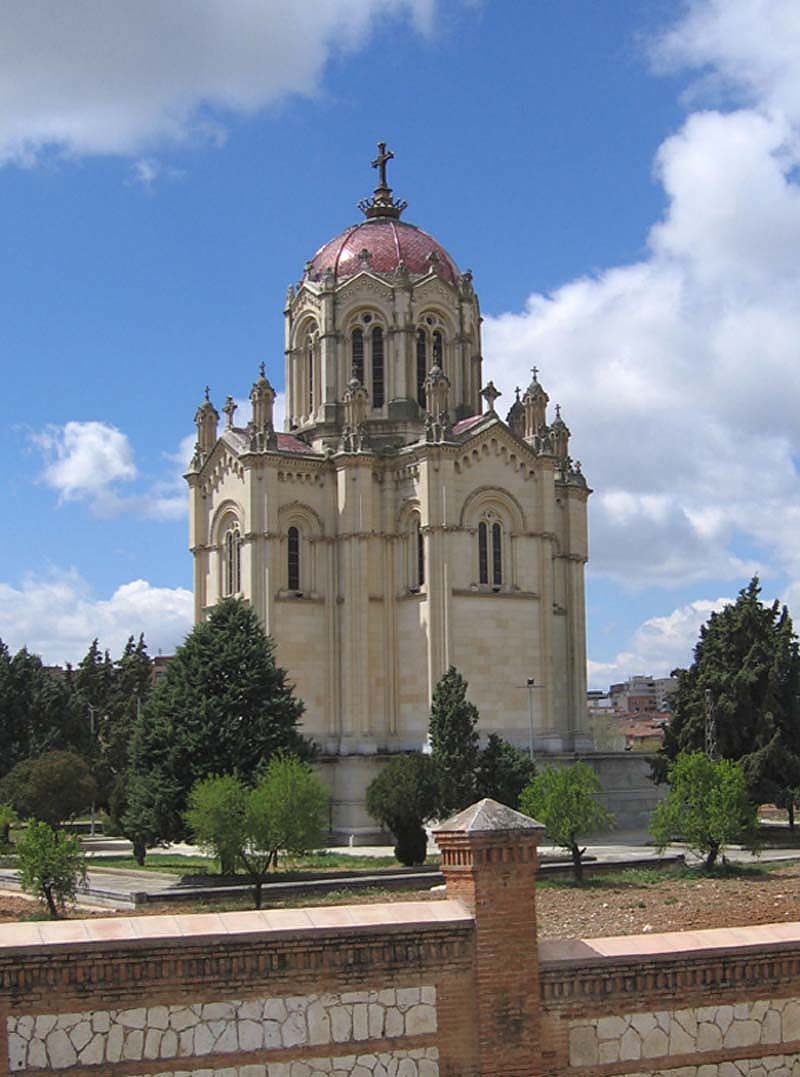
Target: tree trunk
51	905
790	813
577	863
139	851
711	858
257	892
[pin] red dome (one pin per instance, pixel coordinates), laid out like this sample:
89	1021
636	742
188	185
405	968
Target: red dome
388	243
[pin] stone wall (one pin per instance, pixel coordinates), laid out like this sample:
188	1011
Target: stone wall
452	988
379	990
701	1004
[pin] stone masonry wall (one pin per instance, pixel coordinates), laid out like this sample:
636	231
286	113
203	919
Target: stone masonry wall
704	1004
453	988
369	991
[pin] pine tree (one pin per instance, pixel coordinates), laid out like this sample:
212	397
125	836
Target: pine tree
223	706
454	742
747	658
36	710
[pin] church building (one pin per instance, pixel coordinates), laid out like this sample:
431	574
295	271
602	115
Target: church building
397	525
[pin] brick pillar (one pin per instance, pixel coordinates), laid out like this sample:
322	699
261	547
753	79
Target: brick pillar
489	858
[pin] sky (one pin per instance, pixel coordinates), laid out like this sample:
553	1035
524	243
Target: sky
622	176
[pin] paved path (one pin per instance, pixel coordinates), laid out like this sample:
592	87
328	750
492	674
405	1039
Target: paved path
117	887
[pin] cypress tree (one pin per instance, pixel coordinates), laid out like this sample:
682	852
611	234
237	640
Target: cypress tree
454	743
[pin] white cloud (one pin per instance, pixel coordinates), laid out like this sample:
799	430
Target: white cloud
659	645
58	616
679	373
83	460
116	77
89	461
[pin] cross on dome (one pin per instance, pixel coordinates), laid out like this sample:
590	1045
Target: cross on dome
380	162
382	204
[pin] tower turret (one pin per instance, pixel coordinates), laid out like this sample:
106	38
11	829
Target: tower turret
535	404
206	418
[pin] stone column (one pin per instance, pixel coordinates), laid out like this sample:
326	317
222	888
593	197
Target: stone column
489	859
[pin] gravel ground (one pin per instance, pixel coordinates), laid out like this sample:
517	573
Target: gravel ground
599	908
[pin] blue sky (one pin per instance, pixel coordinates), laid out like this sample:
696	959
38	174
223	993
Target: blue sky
622	177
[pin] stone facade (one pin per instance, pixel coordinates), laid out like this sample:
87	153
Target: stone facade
394	528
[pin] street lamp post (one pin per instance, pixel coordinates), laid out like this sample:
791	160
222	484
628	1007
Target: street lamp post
91	730
531	685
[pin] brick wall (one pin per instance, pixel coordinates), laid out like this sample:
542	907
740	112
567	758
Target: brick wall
455	988
703	1004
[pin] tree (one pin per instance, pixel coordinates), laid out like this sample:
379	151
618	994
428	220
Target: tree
37	714
283	812
503	771
52	787
747	660
7	819
564	800
216	817
402	798
454	742
708	807
51	865
223	705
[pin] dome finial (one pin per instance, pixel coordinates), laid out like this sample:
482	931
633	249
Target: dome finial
382	204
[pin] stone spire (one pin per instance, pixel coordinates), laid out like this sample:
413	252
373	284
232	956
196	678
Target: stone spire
560	432
382	204
535	403
516	416
262	398
206	418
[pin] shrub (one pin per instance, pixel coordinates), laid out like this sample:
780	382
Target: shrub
402	798
51	865
564	800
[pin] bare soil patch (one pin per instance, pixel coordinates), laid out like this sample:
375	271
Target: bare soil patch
624	905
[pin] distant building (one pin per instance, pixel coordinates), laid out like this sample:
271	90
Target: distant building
159	667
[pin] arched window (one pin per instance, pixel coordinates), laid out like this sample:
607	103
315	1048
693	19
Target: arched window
377	367
497	555
231	561
310	374
490	553
420	556
422	365
416	555
438	351
357	355
293	560
483	553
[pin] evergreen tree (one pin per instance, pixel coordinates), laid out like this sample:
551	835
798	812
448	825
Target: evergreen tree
92	684
747	658
37	713
503	771
222	706
403	798
131	685
454	742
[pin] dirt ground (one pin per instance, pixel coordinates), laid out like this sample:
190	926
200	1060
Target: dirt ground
601	907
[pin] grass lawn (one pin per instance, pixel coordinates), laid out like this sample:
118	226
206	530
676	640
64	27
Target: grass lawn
176	864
